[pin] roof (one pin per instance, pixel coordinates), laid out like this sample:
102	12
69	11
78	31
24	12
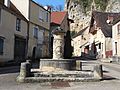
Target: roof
58	17
101	21
40	5
12	9
116	21
80	32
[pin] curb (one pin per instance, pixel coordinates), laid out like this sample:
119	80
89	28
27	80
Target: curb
53	79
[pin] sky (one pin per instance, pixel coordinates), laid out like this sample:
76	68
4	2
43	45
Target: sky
51	2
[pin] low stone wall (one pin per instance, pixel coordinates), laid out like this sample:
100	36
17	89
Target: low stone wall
55	64
98	72
116	59
64	75
78	65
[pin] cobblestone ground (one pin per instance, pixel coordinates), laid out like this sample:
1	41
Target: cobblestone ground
8	76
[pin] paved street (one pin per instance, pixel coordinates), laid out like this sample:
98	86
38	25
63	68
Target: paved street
112	82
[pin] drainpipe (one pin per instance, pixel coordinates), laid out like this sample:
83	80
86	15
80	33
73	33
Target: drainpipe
28	28
50	35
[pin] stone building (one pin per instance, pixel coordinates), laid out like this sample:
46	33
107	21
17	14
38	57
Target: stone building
60	19
80	42
13	33
116	37
39	27
101	34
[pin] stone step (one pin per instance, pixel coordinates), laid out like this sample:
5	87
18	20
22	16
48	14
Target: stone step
71	74
52	79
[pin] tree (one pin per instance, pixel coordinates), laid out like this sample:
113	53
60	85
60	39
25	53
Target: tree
56	8
59	8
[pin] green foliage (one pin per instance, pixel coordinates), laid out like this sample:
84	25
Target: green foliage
72	33
102	4
86	4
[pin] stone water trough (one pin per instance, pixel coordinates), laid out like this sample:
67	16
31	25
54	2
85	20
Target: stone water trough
58	68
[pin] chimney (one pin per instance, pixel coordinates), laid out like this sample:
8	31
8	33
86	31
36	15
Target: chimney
110	20
7	3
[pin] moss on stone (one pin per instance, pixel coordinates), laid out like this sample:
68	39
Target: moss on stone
86	4
102	4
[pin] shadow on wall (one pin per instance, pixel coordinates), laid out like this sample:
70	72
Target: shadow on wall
68	49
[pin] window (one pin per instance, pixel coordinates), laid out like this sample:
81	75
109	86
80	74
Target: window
102	46
41	15
47	17
18	24
1	46
115	48
35	32
99	45
118	28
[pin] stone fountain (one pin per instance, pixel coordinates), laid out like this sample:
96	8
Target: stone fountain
57	62
58	68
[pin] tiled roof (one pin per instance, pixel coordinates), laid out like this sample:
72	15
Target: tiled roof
58	17
116	21
101	21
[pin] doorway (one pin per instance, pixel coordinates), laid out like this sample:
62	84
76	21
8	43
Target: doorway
19	49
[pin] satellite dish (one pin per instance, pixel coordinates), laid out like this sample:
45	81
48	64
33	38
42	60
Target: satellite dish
108	21
46	7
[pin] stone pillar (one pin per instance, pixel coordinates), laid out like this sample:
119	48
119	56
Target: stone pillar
98	72
24	71
58	44
79	65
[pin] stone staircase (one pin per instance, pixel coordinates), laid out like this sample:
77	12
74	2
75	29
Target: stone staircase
71	76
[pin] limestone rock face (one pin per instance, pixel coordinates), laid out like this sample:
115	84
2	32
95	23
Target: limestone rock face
113	6
80	10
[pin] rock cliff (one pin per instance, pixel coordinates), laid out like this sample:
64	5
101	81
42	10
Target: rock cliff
80	10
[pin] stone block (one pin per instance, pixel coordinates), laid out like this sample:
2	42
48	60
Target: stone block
61	64
25	69
98	72
79	65
114	58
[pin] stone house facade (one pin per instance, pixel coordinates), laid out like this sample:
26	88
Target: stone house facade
80	42
116	38
13	33
101	34
39	27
